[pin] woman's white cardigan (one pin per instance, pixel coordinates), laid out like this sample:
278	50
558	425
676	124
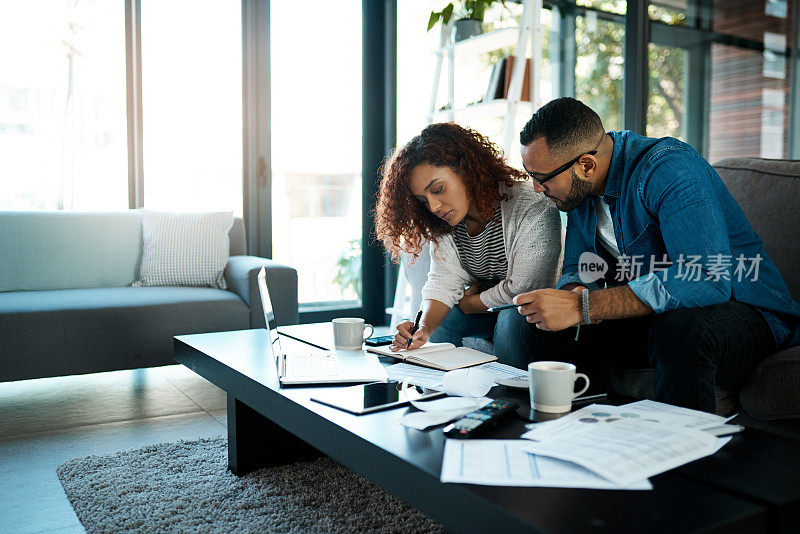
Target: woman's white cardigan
533	240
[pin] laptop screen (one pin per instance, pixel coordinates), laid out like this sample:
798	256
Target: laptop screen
269	313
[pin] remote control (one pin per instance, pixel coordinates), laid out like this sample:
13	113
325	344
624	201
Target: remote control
480	420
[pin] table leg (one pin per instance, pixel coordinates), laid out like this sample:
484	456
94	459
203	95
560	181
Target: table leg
255	442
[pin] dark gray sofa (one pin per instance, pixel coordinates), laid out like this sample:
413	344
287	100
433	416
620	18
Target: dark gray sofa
768	192
66	305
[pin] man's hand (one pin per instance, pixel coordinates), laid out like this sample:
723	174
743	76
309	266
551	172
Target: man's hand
550	309
403	334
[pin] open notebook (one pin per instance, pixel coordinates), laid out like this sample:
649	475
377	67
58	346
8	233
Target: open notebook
442	356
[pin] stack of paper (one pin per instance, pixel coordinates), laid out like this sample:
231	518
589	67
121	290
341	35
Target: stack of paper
599	446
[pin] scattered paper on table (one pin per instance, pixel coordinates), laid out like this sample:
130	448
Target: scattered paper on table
492	462
675	415
432	378
501	370
416	374
627	450
652	411
469	382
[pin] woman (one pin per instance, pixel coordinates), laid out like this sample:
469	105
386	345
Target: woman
492	237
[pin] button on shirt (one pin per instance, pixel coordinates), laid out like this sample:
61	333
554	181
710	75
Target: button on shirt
665	199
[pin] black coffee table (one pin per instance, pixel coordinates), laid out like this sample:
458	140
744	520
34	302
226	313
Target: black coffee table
739	488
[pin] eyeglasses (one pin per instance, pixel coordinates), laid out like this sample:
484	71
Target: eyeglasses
559	170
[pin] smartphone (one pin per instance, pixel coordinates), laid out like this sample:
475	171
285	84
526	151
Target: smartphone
377	341
368	398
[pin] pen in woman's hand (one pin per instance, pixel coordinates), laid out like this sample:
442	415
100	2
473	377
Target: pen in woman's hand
414	328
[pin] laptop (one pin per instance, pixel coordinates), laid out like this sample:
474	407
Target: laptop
316	366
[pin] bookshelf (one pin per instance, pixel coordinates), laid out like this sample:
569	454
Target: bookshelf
529	32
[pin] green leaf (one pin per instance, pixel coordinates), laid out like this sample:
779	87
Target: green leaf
447	12
433	20
478	10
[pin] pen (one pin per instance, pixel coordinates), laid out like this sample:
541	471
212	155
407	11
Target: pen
503	307
414	328
590	397
724	430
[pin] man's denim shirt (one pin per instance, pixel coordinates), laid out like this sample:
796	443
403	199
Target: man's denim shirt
668	203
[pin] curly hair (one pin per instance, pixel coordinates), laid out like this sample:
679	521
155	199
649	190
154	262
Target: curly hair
402	222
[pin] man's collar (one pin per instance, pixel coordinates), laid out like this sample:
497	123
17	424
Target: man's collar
615	168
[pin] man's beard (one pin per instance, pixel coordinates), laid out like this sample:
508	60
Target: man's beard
578	192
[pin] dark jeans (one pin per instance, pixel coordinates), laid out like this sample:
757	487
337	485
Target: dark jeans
692	350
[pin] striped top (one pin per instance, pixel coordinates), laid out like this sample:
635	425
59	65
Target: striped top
483	256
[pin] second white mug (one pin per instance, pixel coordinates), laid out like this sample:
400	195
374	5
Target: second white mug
552	386
348	333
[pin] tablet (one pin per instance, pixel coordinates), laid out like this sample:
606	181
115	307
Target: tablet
372	397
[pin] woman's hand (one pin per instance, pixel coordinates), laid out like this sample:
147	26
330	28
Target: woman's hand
403	334
473	289
471	301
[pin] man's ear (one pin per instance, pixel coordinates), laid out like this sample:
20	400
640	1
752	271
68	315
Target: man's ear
589	165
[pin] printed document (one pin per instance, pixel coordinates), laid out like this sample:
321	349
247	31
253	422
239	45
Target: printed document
652	411
627	450
492	462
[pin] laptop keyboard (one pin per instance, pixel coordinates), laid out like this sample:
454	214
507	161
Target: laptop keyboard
299	364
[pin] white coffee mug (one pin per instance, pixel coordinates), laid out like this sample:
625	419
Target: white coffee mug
552	386
348	333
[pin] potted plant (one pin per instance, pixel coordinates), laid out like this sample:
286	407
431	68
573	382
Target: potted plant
348	268
470	17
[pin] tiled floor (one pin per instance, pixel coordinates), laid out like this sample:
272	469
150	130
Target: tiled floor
48	421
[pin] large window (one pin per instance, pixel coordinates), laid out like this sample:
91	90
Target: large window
62	106
316	147
665	106
192	105
600	66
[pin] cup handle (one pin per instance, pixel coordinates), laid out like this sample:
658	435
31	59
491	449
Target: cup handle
372	331
581	392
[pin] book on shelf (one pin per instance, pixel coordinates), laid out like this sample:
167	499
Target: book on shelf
442	356
495	90
526	79
500	80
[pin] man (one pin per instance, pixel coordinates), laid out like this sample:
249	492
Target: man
686	285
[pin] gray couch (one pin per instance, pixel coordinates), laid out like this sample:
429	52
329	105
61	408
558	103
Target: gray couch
66	305
769	399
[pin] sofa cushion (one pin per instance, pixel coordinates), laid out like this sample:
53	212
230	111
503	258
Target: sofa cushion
184	249
767	191
72	331
60	250
72	250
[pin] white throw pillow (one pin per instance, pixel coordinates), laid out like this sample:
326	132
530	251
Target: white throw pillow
184	249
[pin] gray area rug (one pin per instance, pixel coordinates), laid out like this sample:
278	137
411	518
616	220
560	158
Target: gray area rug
186	487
